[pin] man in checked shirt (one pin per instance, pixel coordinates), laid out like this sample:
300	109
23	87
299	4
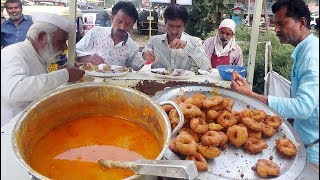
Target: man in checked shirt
174	49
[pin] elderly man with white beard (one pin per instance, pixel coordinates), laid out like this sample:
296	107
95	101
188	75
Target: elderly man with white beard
222	48
24	65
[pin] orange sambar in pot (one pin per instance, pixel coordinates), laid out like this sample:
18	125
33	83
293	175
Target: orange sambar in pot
72	149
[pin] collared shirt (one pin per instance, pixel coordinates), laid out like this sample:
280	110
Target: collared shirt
11	34
98	40
303	106
191	57
235	54
24	78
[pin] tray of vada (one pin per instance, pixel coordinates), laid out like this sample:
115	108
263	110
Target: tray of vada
232	136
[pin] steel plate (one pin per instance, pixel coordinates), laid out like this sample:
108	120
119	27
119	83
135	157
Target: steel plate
235	163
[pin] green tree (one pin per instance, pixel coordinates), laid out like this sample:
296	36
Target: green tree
204	15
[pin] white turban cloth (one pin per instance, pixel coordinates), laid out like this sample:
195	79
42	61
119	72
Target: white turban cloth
229	23
55	19
219	49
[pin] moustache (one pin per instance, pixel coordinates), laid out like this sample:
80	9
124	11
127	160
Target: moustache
223	39
120	33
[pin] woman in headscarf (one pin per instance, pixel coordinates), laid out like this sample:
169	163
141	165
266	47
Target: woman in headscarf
222	48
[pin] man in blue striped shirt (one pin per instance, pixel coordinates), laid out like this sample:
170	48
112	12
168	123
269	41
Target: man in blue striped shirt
292	21
15	28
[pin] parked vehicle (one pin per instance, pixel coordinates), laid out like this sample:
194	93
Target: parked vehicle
95	18
144	21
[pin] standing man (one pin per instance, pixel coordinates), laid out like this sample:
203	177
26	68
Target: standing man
24	65
15	28
292	25
222	49
111	45
175	49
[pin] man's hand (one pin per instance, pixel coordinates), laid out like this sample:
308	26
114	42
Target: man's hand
149	56
75	74
94	59
241	85
177	44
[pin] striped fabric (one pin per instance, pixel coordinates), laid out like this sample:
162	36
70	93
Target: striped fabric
192	57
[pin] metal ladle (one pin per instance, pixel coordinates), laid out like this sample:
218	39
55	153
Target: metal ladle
185	169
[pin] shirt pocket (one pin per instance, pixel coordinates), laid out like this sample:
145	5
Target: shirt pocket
294	84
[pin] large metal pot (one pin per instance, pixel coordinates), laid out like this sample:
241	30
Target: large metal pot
81	100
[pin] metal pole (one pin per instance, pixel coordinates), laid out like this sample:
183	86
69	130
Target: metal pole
72	35
266	17
254	40
249	12
150	27
173	1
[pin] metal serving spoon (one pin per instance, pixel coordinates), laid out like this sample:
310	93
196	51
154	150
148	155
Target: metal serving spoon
185	169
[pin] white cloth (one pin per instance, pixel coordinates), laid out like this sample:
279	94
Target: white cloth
24	78
60	21
223	51
276	85
98	40
229	23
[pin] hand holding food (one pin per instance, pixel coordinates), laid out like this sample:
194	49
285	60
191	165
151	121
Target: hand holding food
149	56
177	44
75	74
241	85
93	59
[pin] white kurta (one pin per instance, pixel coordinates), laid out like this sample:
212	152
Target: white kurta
98	40
24	78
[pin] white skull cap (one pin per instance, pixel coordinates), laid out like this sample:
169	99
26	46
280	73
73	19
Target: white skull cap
60	21
229	23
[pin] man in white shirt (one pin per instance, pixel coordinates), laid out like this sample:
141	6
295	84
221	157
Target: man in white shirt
24	65
111	45
174	49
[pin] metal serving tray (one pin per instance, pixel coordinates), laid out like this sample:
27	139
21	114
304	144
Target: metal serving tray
235	163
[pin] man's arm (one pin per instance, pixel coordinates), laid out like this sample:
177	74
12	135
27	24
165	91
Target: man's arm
306	98
238	56
2	39
241	85
138	60
195	50
20	86
85	45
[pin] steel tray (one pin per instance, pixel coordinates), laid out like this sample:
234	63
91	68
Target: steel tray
235	163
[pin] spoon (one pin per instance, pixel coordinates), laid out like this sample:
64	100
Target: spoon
185	169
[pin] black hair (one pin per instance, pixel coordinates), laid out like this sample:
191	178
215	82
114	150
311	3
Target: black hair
173	12
13	1
126	7
296	9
